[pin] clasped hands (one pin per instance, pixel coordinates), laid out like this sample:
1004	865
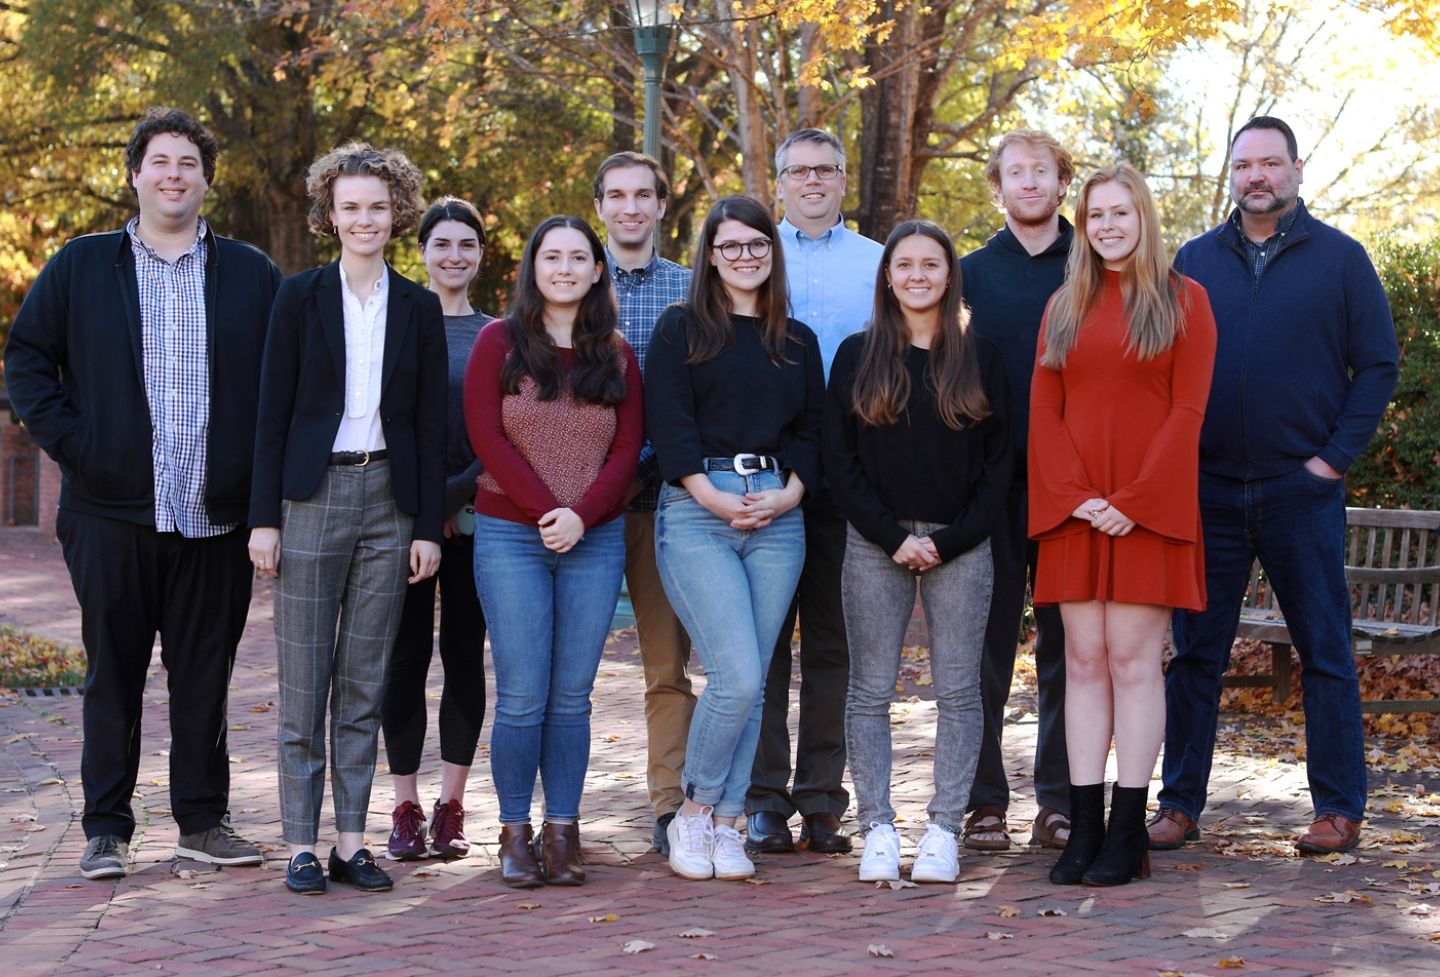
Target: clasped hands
753	510
1104	517
918	554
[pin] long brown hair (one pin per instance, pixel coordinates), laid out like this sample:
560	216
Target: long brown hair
710	307
1151	289
597	376
882	384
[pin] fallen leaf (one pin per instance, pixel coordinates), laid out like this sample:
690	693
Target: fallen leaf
896	884
527	906
1008	912
1231	963
1349	895
757	881
1339	858
997	935
607	918
1395	863
1206	933
1237	885
637	946
1187	867
879	950
423	873
1052	912
704	956
266	707
186	873
694	933
50	782
1420	909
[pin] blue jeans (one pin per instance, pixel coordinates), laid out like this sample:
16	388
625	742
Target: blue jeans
548	615
1295	524
731	588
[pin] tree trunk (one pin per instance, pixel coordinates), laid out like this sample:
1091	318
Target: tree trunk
887	126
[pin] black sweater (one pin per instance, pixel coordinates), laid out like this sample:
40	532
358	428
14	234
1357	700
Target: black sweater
76	374
919	468
739	401
1007	290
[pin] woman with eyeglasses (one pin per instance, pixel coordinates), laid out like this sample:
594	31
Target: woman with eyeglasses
452	243
554	410
735	395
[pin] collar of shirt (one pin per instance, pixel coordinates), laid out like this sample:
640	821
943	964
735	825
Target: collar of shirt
832	238
379	293
142	249
1282	227
637	275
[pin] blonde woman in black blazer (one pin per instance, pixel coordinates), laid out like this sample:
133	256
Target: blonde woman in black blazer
347	501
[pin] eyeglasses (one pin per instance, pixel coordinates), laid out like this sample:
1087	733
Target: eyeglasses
825	171
732	250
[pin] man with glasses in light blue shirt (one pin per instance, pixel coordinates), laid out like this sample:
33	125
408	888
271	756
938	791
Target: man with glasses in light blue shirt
831	275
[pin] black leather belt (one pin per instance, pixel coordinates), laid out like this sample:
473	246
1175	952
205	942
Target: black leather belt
358	459
744	464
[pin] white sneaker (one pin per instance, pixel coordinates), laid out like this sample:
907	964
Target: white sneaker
938	857
729	856
692	845
880	861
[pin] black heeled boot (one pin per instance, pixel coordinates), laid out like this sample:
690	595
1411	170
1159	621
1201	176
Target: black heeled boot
1126	853
1087	834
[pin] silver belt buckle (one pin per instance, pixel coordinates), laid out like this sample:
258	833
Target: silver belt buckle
743	461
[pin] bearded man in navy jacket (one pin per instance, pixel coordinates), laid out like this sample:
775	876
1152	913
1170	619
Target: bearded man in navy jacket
135	363
1306	363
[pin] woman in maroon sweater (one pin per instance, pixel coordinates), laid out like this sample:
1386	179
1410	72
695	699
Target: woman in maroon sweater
554	411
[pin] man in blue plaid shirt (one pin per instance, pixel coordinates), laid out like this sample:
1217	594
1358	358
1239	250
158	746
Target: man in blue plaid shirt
135	363
630	195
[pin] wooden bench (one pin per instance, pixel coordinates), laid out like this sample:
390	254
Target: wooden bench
1392	564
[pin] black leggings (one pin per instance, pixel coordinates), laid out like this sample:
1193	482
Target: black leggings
462	653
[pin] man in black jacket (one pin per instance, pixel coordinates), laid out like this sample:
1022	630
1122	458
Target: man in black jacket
135	363
1007	284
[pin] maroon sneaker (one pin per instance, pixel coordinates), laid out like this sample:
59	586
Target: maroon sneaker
447	835
407	837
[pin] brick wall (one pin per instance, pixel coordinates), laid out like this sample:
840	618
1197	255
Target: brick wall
18	458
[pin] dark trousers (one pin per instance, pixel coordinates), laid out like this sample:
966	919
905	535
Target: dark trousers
132	583
824	675
1295	525
462	656
1014	569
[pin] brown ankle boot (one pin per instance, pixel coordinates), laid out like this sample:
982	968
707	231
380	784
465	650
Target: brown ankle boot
518	868
560	857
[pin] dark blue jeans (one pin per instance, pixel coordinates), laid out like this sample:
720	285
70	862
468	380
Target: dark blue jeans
1295	524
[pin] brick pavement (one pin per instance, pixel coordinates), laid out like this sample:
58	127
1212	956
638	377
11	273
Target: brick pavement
806	917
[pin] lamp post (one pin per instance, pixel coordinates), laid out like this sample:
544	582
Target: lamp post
652	20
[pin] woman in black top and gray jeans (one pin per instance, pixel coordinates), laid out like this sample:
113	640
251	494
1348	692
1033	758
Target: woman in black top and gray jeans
917	451
734	398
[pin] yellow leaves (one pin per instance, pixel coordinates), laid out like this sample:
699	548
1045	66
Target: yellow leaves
1348	896
528	906
607	918
1231	963
1008	912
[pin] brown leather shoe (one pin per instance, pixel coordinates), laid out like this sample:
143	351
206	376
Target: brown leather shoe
823	833
518	868
1329	834
1169	829
559	852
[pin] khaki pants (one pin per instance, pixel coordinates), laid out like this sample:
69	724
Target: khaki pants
665	656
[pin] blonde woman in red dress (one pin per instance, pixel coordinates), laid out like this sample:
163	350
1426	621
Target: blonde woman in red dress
1121	379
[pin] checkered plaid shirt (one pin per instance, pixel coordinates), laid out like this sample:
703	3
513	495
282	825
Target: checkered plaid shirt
1260	254
175	350
643	294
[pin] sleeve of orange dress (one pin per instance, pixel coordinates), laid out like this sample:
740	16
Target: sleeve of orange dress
1058	480
1170	473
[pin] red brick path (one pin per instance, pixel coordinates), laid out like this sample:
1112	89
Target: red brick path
807	917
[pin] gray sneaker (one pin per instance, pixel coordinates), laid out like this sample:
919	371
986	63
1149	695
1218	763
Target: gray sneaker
219	846
106	857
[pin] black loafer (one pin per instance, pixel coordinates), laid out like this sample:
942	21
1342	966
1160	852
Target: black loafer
304	875
823	833
360	871
767	831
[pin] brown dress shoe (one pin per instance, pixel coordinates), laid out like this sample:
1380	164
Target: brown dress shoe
518	868
823	833
559	850
1329	834
1169	829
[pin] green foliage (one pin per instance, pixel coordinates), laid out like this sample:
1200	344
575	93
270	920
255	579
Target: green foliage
1402	466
